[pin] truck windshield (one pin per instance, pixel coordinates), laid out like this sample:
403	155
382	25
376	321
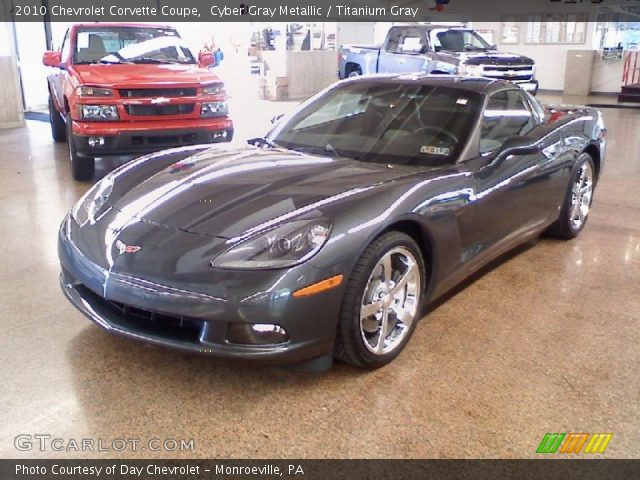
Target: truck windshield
130	45
390	122
458	41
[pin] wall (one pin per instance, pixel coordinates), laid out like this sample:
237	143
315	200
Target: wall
10	98
10	101
551	59
309	72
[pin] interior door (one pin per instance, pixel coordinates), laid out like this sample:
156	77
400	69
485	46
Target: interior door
404	51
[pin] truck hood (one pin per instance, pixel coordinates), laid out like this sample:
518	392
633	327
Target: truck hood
225	192
145	76
489	57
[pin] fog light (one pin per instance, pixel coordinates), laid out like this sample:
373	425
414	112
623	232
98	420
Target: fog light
256	334
96	141
220	135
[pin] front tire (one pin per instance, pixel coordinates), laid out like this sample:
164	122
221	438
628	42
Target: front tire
382	302
58	125
574	212
82	168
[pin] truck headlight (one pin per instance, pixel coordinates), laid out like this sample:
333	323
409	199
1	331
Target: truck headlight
214	109
94	92
91	206
284	246
471	70
215	89
105	113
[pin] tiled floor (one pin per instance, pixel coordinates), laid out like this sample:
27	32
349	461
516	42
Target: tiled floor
546	341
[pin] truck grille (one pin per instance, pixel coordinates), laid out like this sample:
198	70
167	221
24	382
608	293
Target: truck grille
157	92
158	110
517	73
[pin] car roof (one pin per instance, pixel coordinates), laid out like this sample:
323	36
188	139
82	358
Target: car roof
485	86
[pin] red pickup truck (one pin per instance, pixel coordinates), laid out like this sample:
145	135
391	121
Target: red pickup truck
121	89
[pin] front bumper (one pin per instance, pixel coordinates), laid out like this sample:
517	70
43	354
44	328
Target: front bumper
185	317
125	138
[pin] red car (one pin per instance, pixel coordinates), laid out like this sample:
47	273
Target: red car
124	89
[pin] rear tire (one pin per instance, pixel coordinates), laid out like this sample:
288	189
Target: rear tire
82	168
58	125
574	212
382	302
356	72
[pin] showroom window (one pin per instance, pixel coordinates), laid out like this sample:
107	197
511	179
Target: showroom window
556	28
617	27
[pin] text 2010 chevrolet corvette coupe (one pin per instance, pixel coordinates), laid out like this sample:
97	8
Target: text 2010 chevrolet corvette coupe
326	237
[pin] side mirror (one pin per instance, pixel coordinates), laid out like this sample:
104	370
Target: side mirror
206	59
519	145
276	118
52	59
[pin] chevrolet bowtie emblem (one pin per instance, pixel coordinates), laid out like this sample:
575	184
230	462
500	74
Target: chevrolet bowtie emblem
160	100
124	248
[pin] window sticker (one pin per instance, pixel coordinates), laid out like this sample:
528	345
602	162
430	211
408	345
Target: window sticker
462	101
433	150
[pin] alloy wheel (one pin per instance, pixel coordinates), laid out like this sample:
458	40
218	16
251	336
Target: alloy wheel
390	301
581	195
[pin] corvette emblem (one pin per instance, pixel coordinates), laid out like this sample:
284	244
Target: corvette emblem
124	248
160	100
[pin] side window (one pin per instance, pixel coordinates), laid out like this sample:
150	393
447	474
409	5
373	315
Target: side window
410	41
394	42
65	48
506	115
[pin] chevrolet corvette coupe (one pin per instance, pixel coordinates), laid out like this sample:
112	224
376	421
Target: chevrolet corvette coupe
326	237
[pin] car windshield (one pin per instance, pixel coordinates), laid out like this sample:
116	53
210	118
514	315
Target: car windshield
458	41
384	122
130	45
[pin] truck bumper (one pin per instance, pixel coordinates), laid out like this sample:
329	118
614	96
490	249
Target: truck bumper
94	139
531	87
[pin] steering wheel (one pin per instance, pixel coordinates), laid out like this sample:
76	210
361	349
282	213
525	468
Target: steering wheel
437	131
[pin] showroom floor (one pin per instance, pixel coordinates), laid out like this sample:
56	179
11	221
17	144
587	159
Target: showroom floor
545	341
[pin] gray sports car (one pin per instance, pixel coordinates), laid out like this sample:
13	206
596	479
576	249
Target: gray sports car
326	237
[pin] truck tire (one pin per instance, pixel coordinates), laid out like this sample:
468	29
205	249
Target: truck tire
82	168
58	125
356	72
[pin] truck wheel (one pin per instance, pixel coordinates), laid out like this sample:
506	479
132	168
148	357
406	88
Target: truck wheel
58	125
356	72
82	168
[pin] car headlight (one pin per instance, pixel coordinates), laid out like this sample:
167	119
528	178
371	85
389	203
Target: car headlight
103	113
215	89
214	109
91	205
94	92
471	70
281	247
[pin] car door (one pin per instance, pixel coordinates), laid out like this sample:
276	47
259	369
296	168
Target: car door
404	51
512	190
57	78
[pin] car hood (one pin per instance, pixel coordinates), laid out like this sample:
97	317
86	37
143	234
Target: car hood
224	192
490	57
145	76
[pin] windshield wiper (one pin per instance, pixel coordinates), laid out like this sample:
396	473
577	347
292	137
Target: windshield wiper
262	142
328	148
151	60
